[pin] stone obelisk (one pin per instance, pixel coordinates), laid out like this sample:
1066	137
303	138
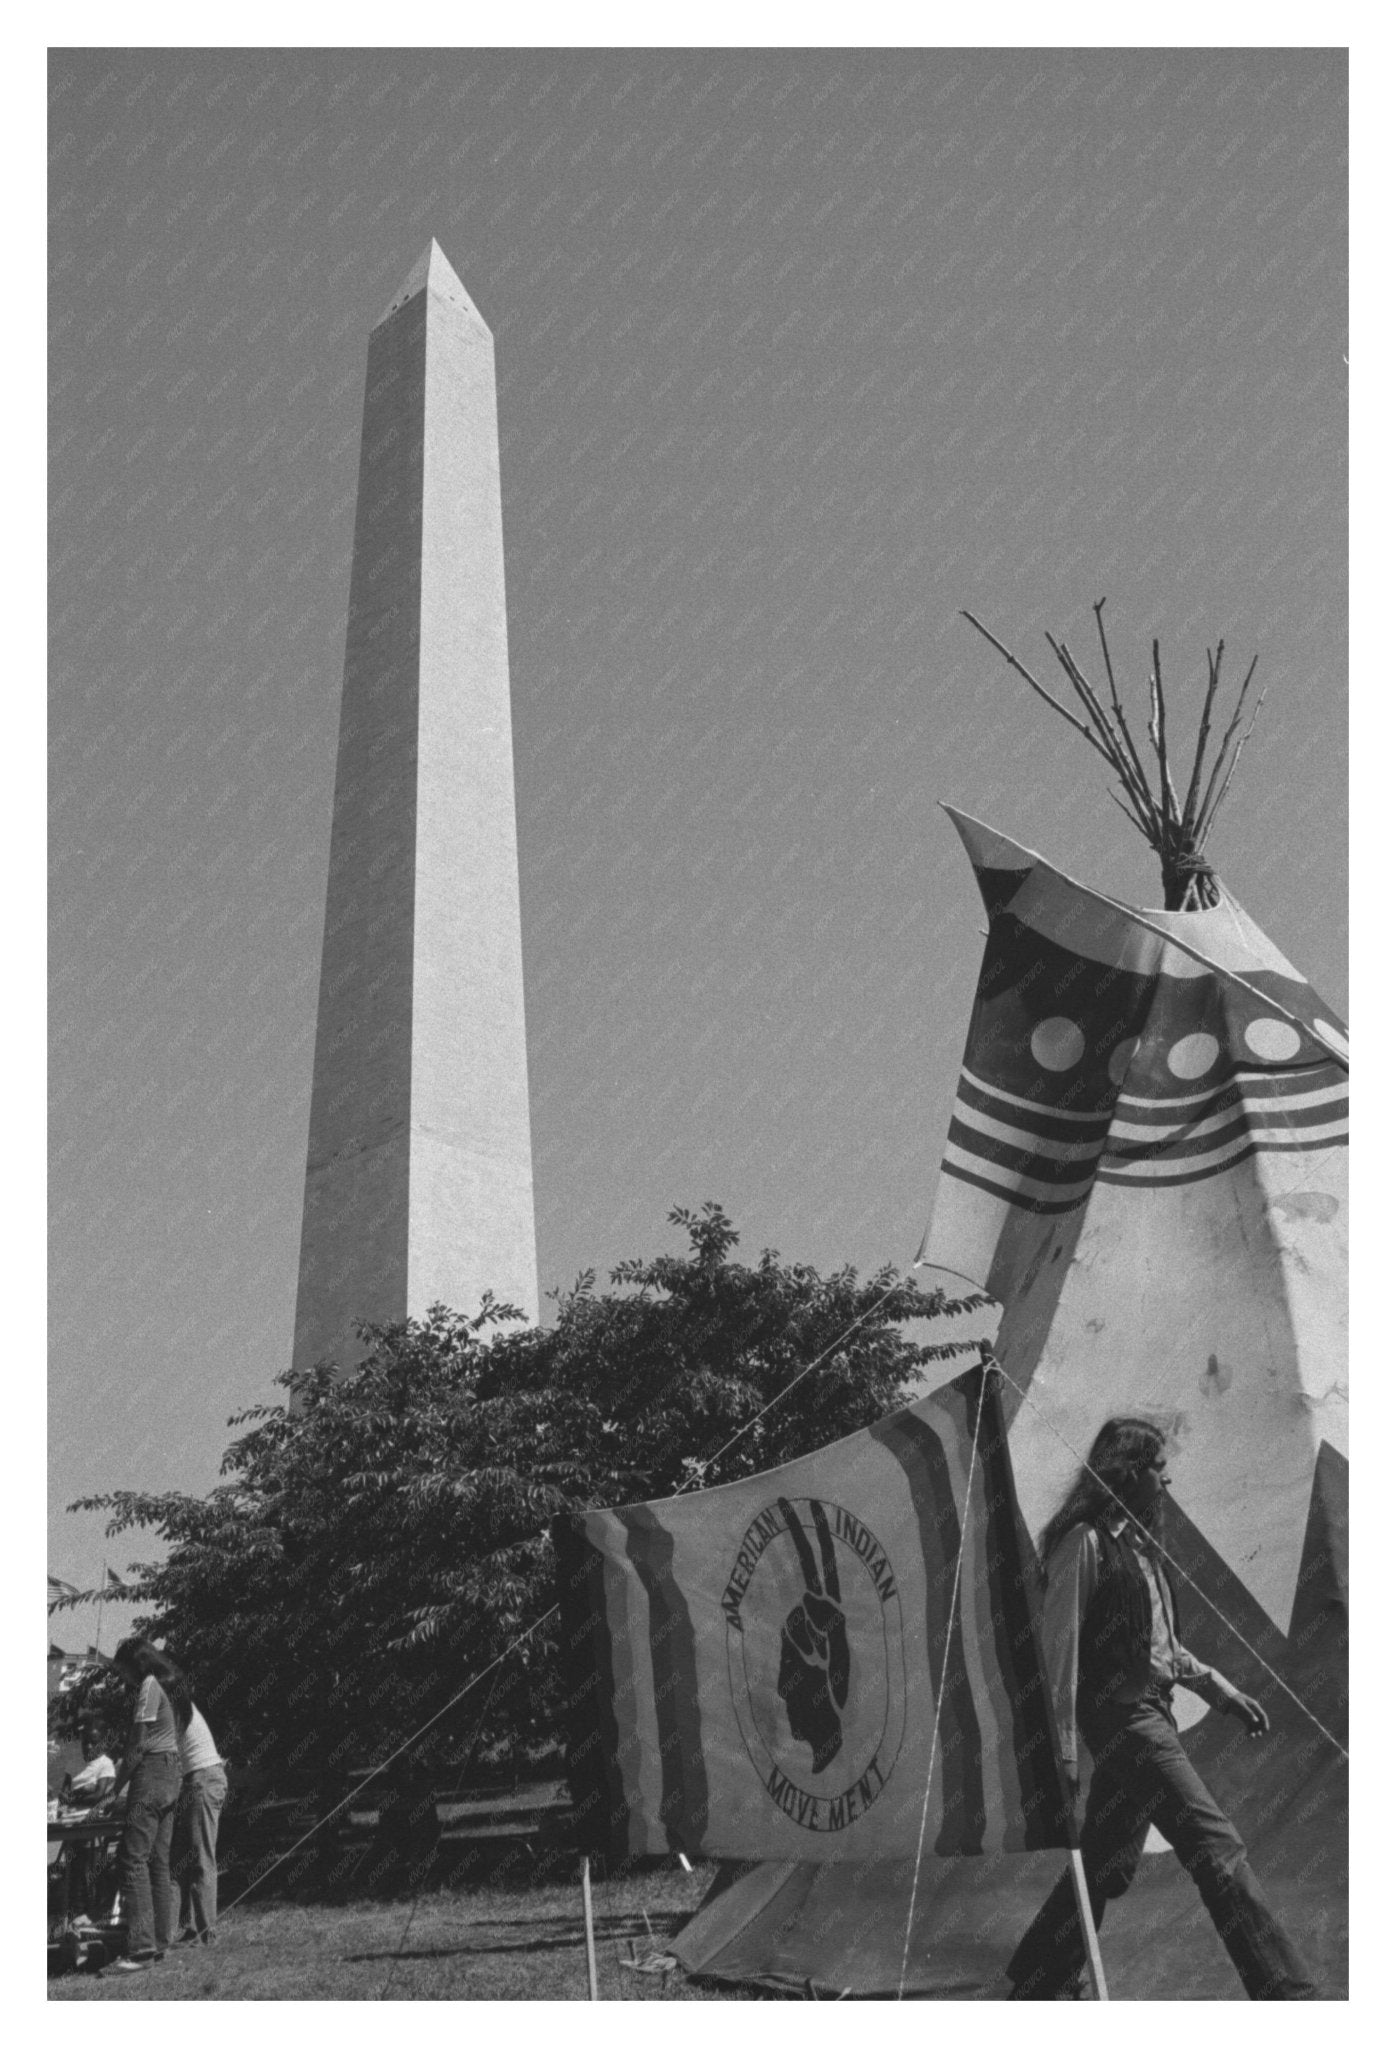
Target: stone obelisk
419	1176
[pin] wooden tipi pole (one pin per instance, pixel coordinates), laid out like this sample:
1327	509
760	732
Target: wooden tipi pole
1176	830
1088	1930
592	1989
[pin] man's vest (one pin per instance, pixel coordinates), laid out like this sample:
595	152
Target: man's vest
1117	1630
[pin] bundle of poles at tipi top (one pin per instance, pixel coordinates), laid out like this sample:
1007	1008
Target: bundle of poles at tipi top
1177	831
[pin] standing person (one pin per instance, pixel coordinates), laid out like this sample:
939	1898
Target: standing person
201	1798
151	1767
1113	1658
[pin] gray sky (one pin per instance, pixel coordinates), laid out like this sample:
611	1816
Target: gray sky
799	353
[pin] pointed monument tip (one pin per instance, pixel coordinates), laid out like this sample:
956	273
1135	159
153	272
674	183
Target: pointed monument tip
432	272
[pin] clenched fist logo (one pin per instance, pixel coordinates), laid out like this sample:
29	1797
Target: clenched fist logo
814	1661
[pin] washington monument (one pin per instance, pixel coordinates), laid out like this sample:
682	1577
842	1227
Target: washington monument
419	1176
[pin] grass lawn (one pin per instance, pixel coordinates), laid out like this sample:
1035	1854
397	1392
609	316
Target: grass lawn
485	1942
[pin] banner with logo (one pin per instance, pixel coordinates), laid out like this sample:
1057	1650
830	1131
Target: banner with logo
759	1671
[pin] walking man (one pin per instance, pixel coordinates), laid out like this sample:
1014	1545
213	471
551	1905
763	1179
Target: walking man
1113	1658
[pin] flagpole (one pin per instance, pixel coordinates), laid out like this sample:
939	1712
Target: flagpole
592	1990
1090	1939
101	1603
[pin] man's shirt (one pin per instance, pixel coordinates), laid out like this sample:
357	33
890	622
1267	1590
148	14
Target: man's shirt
197	1749
155	1721
1073	1573
94	1779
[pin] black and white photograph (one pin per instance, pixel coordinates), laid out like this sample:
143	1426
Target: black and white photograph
697	811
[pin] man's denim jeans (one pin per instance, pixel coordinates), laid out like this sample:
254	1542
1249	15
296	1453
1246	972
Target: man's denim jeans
1142	1776
196	1853
144	1858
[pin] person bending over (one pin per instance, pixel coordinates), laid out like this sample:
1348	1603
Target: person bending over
1113	1658
194	1858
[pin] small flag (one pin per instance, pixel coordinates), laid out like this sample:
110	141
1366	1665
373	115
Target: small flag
61	1588
755	1670
116	1585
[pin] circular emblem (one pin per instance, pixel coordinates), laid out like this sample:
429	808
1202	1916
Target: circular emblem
814	1658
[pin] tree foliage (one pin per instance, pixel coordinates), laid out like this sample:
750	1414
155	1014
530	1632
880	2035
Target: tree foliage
384	1537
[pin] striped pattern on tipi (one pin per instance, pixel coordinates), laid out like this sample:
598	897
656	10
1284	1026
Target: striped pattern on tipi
1146	1165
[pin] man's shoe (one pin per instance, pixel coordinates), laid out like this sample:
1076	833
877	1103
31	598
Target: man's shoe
128	1966
188	1937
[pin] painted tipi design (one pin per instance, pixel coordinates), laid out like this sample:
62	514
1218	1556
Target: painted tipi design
1147	1166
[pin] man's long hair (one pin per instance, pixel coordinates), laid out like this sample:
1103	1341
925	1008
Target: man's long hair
1124	1447
143	1660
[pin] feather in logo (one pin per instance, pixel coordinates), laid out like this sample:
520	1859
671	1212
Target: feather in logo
814	1646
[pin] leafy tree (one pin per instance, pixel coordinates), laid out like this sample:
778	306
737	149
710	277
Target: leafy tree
385	1536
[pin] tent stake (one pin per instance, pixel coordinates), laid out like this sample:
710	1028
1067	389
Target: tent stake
1083	1907
592	1990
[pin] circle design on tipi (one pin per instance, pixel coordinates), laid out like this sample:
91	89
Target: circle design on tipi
1270	1038
1192	1056
1120	1058
1058	1044
1330	1036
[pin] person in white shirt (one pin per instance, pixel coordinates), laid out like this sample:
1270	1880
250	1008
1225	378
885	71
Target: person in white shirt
93	1783
90	1787
195	1858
